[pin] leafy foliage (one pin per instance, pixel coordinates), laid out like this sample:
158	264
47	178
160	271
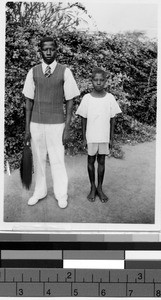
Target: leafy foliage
130	58
53	16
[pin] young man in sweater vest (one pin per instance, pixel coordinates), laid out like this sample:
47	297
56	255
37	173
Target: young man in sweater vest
46	86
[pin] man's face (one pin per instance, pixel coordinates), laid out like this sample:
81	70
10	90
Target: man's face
48	52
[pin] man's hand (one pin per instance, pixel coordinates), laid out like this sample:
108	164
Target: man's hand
29	107
27	137
66	136
84	144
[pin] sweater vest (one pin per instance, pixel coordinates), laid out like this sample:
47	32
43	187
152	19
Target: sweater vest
49	96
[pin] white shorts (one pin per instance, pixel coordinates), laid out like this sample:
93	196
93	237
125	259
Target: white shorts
98	148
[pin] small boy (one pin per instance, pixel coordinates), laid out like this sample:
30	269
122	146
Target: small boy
98	110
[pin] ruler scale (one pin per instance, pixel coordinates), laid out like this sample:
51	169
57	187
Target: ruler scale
45	269
71	283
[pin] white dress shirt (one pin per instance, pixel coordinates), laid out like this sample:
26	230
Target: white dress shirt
70	87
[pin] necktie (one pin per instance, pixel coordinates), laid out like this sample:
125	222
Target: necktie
48	71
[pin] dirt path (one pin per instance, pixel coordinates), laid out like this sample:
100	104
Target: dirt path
129	183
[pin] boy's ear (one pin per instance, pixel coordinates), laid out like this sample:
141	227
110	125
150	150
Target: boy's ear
90	77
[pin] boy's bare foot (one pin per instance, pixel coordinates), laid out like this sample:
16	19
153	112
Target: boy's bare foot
103	198
92	195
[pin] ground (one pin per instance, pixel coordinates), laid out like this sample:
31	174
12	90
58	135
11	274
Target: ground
129	184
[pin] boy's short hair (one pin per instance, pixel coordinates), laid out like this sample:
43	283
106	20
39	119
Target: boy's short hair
98	70
47	39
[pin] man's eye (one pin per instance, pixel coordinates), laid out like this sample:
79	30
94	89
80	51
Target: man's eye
47	49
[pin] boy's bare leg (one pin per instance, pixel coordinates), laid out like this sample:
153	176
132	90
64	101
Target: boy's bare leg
101	171
91	173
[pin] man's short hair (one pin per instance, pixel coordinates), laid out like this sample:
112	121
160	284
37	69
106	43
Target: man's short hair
48	39
98	70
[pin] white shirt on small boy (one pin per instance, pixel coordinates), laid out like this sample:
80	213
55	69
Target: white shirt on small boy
98	112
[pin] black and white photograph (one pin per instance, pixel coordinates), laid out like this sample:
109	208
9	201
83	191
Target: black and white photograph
81	113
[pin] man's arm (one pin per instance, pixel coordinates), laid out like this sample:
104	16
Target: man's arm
112	127
66	133
29	107
70	91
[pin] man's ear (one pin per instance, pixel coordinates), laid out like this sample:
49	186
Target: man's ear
39	54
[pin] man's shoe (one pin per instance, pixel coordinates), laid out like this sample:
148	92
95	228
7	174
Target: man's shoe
34	199
62	202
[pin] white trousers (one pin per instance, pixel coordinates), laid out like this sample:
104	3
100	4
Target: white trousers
47	138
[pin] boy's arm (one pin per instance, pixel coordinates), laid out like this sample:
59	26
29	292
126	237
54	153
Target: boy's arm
29	107
84	124
112	127
66	133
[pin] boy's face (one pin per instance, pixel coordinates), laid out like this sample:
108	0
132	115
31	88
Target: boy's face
48	52
98	82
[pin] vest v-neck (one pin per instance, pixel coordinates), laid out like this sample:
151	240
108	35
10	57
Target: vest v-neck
52	73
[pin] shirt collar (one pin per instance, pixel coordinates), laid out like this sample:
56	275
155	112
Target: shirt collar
52	65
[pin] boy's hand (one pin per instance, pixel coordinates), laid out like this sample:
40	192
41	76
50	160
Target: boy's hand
111	145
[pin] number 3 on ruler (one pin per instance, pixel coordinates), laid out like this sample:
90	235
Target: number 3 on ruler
140	276
20	292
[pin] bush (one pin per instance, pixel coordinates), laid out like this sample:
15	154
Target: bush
130	60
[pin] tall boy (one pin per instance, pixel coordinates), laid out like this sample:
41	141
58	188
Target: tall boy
98	110
45	88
